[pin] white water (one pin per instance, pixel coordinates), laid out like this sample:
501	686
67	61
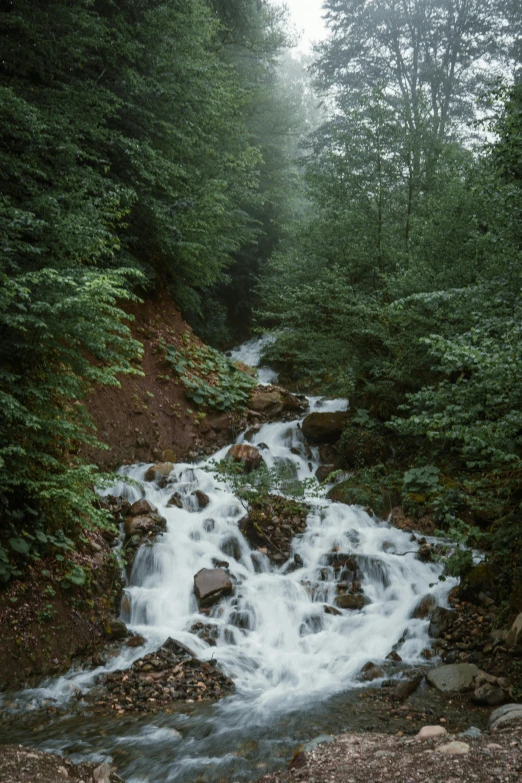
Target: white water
287	652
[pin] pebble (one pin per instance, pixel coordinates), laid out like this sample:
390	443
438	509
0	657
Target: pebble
431	732
454	749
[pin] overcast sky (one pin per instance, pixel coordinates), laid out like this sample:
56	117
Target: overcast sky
306	16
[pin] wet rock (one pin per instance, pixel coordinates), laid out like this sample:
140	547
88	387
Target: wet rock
508	715
323	471
455	677
206	631
338	560
267	402
425	607
142	508
136	641
404	689
144	525
271	525
431	732
159	472
370	671
425	553
325	427
454	749
331	610
490	695
175	500
102	774
219	422
247	456
231	547
202	498
116	629
472	733
515	633
210	585
441	621
348	601
394	656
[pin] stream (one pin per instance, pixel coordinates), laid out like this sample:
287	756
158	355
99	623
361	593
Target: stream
296	669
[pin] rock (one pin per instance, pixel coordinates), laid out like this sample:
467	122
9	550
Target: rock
159	472
210	585
116	629
472	733
102	774
351	601
455	677
508	715
431	732
425	607
219	422
247	456
267	402
175	500
441	621
425	553
394	656
370	671
325	427
454	748
143	525
491	695
515	633
323	471
404	689
322	739
168	456
136	641
331	610
202	498
141	508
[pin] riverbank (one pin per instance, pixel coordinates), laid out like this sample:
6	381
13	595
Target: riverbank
27	765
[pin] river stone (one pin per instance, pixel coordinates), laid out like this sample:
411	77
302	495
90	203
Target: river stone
175	500
248	456
370	671
141	508
455	677
441	621
424	607
431	732
325	427
515	633
351	601
210	585
136	641
218	421
143	524
491	695
102	774
472	733
504	716
323	471
454	749
202	498
159	471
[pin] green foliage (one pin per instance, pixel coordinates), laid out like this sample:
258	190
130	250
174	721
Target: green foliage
257	485
210	379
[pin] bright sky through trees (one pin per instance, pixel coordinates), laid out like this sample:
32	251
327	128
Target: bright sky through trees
307	18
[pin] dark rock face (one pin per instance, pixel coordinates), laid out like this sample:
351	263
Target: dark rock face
175	500
267	402
425	607
247	456
116	629
323	471
210	585
202	498
441	620
325	427
490	695
405	688
141	508
144	525
371	671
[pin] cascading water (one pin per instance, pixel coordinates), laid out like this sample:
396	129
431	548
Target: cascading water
286	654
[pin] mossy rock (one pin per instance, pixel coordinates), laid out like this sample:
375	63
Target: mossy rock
479	580
376	498
361	447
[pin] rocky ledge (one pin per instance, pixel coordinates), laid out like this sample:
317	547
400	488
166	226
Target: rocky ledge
159	681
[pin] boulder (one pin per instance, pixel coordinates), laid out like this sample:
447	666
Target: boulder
502	717
441	621
202	498
267	402
515	633
455	677
116	629
144	525
136	641
210	585
159	472
219	422
491	695
247	456
175	500
351	601
404	689
323	471
325	427
141	507
370	671
424	607
430	732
